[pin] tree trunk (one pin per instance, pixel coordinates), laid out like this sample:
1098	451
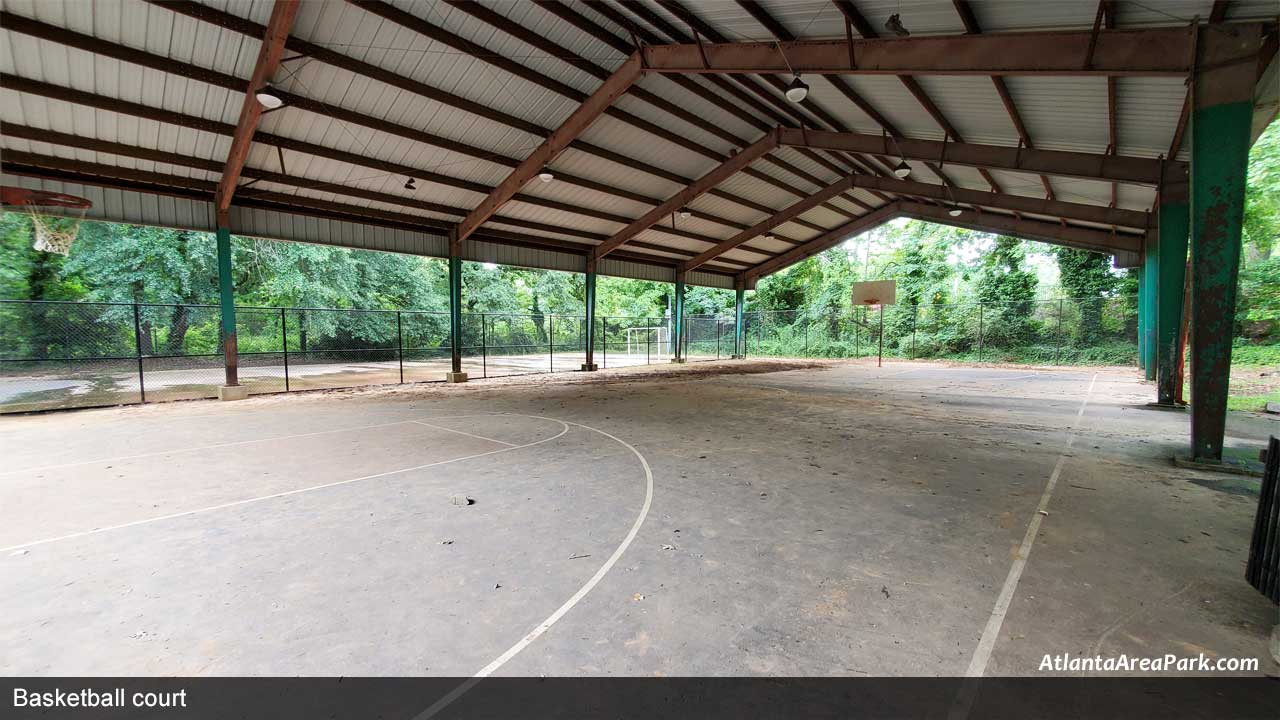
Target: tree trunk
178	325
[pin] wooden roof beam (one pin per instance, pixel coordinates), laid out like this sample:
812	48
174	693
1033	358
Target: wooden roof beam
283	13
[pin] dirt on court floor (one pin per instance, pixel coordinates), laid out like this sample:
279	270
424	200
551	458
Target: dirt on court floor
721	518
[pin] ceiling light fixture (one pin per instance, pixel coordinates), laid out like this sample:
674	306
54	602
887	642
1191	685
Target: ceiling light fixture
955	212
268	98
895	26
546	177
797	91
901	170
769	236
685	214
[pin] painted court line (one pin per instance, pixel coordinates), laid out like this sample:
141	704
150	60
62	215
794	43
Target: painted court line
287	493
478	437
978	665
560	612
159	453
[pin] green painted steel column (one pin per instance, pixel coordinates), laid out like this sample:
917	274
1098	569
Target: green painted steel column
1150	266
678	320
739	315
455	311
227	296
1175	222
590	329
1142	317
1220	128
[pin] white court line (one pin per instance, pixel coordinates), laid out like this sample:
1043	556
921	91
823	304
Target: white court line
448	429
236	503
545	625
194	448
981	655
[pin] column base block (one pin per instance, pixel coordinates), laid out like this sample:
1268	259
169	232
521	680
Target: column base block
1166	406
455	377
1235	461
589	367
233	392
737	357
679	361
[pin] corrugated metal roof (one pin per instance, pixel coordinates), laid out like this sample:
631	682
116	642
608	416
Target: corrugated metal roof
1060	113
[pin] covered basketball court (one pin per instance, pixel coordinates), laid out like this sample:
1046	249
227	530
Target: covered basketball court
725	518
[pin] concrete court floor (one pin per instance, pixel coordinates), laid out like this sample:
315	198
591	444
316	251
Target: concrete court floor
838	519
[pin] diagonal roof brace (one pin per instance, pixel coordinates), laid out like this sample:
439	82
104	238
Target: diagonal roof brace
282	16
560	138
719	174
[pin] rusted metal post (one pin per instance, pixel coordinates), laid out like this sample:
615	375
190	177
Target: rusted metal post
227	298
589	358
1221	117
1150	274
1142	318
455	373
1175	218
678	319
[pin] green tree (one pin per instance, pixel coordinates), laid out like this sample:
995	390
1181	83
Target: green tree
1008	291
1086	278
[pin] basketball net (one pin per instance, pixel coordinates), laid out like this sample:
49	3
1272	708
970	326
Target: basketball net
54	234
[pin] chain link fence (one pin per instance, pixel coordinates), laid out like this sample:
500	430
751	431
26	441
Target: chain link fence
1051	332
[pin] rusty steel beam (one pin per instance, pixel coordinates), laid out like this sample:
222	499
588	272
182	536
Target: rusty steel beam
825	241
1055	233
109	176
1151	52
965	10
866	30
330	57
782	216
1121	168
1016	203
718	175
701	28
572	127
500	22
282	14
78	97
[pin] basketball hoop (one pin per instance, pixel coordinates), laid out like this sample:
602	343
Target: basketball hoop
53	233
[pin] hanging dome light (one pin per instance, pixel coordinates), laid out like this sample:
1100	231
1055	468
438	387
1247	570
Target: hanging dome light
268	98
685	214
797	91
955	212
901	170
546	177
895	26
770	236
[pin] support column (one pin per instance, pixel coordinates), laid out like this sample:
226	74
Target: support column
677	312
455	310
1142	317
1171	264
1221	114
232	389
1150	274
590	359
739	304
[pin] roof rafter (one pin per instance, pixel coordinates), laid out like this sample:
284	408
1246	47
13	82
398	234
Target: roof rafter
716	176
330	57
283	13
866	30
965	10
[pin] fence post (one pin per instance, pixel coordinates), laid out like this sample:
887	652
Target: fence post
484	346
284	345
1057	343
807	322
399	344
604	343
137	344
551	340
857	337
717	337
979	332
